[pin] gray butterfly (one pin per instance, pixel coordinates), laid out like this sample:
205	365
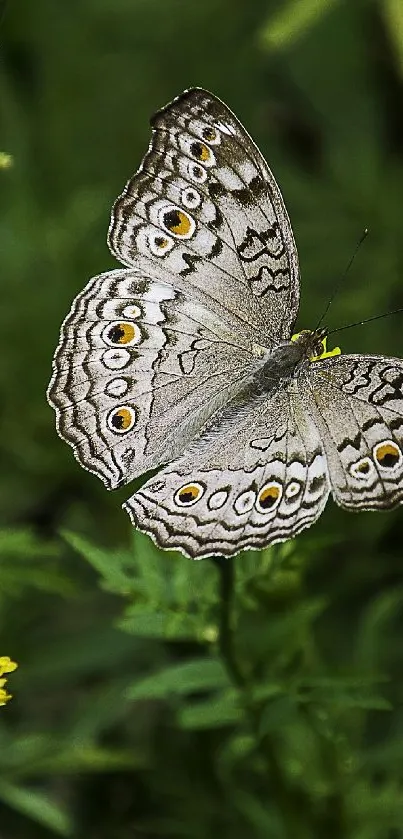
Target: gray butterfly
187	358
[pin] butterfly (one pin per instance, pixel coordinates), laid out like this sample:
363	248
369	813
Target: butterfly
186	357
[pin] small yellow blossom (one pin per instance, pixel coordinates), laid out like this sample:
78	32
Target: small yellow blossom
6	666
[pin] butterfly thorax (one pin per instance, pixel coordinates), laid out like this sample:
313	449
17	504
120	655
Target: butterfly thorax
291	359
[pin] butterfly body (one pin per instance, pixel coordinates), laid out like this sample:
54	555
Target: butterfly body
186	358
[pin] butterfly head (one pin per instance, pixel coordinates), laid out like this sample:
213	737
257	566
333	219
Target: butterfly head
315	344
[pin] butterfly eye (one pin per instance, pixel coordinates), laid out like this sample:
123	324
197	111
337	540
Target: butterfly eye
210	135
202	153
269	497
121	334
189	494
121	419
160	245
178	222
190	198
387	454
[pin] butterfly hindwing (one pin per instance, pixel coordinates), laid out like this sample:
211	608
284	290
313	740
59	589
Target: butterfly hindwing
243	484
359	411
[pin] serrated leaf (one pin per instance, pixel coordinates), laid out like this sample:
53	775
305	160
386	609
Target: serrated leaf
201	674
109	564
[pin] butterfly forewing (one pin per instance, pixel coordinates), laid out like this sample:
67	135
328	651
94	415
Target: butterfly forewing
138	371
232	243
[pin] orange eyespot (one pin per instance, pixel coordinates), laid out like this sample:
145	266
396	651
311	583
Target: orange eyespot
159	245
200	152
269	497
209	134
362	469
122	419
121	333
160	242
189	494
387	454
178	222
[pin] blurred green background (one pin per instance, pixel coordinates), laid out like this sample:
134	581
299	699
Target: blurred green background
144	706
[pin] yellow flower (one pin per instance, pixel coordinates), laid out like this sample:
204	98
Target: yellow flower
4	696
6	666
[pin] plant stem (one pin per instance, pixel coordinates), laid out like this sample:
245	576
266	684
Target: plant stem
294	804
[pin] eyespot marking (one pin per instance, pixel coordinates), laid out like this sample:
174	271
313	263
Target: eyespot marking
160	245
217	499
122	419
387	454
362	469
117	387
132	311
116	359
190	198
269	497
245	502
189	494
121	333
197	173
211	135
201	152
293	489
179	223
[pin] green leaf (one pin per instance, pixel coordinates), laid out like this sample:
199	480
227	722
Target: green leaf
217	712
201	674
292	21
166	625
393	16
265	821
109	564
37	807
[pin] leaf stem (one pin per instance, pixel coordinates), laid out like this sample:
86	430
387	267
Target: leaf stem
293	803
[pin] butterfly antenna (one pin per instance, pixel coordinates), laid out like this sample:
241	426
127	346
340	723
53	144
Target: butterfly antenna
343	276
367	320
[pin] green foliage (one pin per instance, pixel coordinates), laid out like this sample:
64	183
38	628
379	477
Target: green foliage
154	696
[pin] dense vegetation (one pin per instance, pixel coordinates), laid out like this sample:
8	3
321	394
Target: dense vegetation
156	697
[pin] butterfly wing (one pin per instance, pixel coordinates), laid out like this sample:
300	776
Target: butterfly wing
358	406
205	214
138	370
257	475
